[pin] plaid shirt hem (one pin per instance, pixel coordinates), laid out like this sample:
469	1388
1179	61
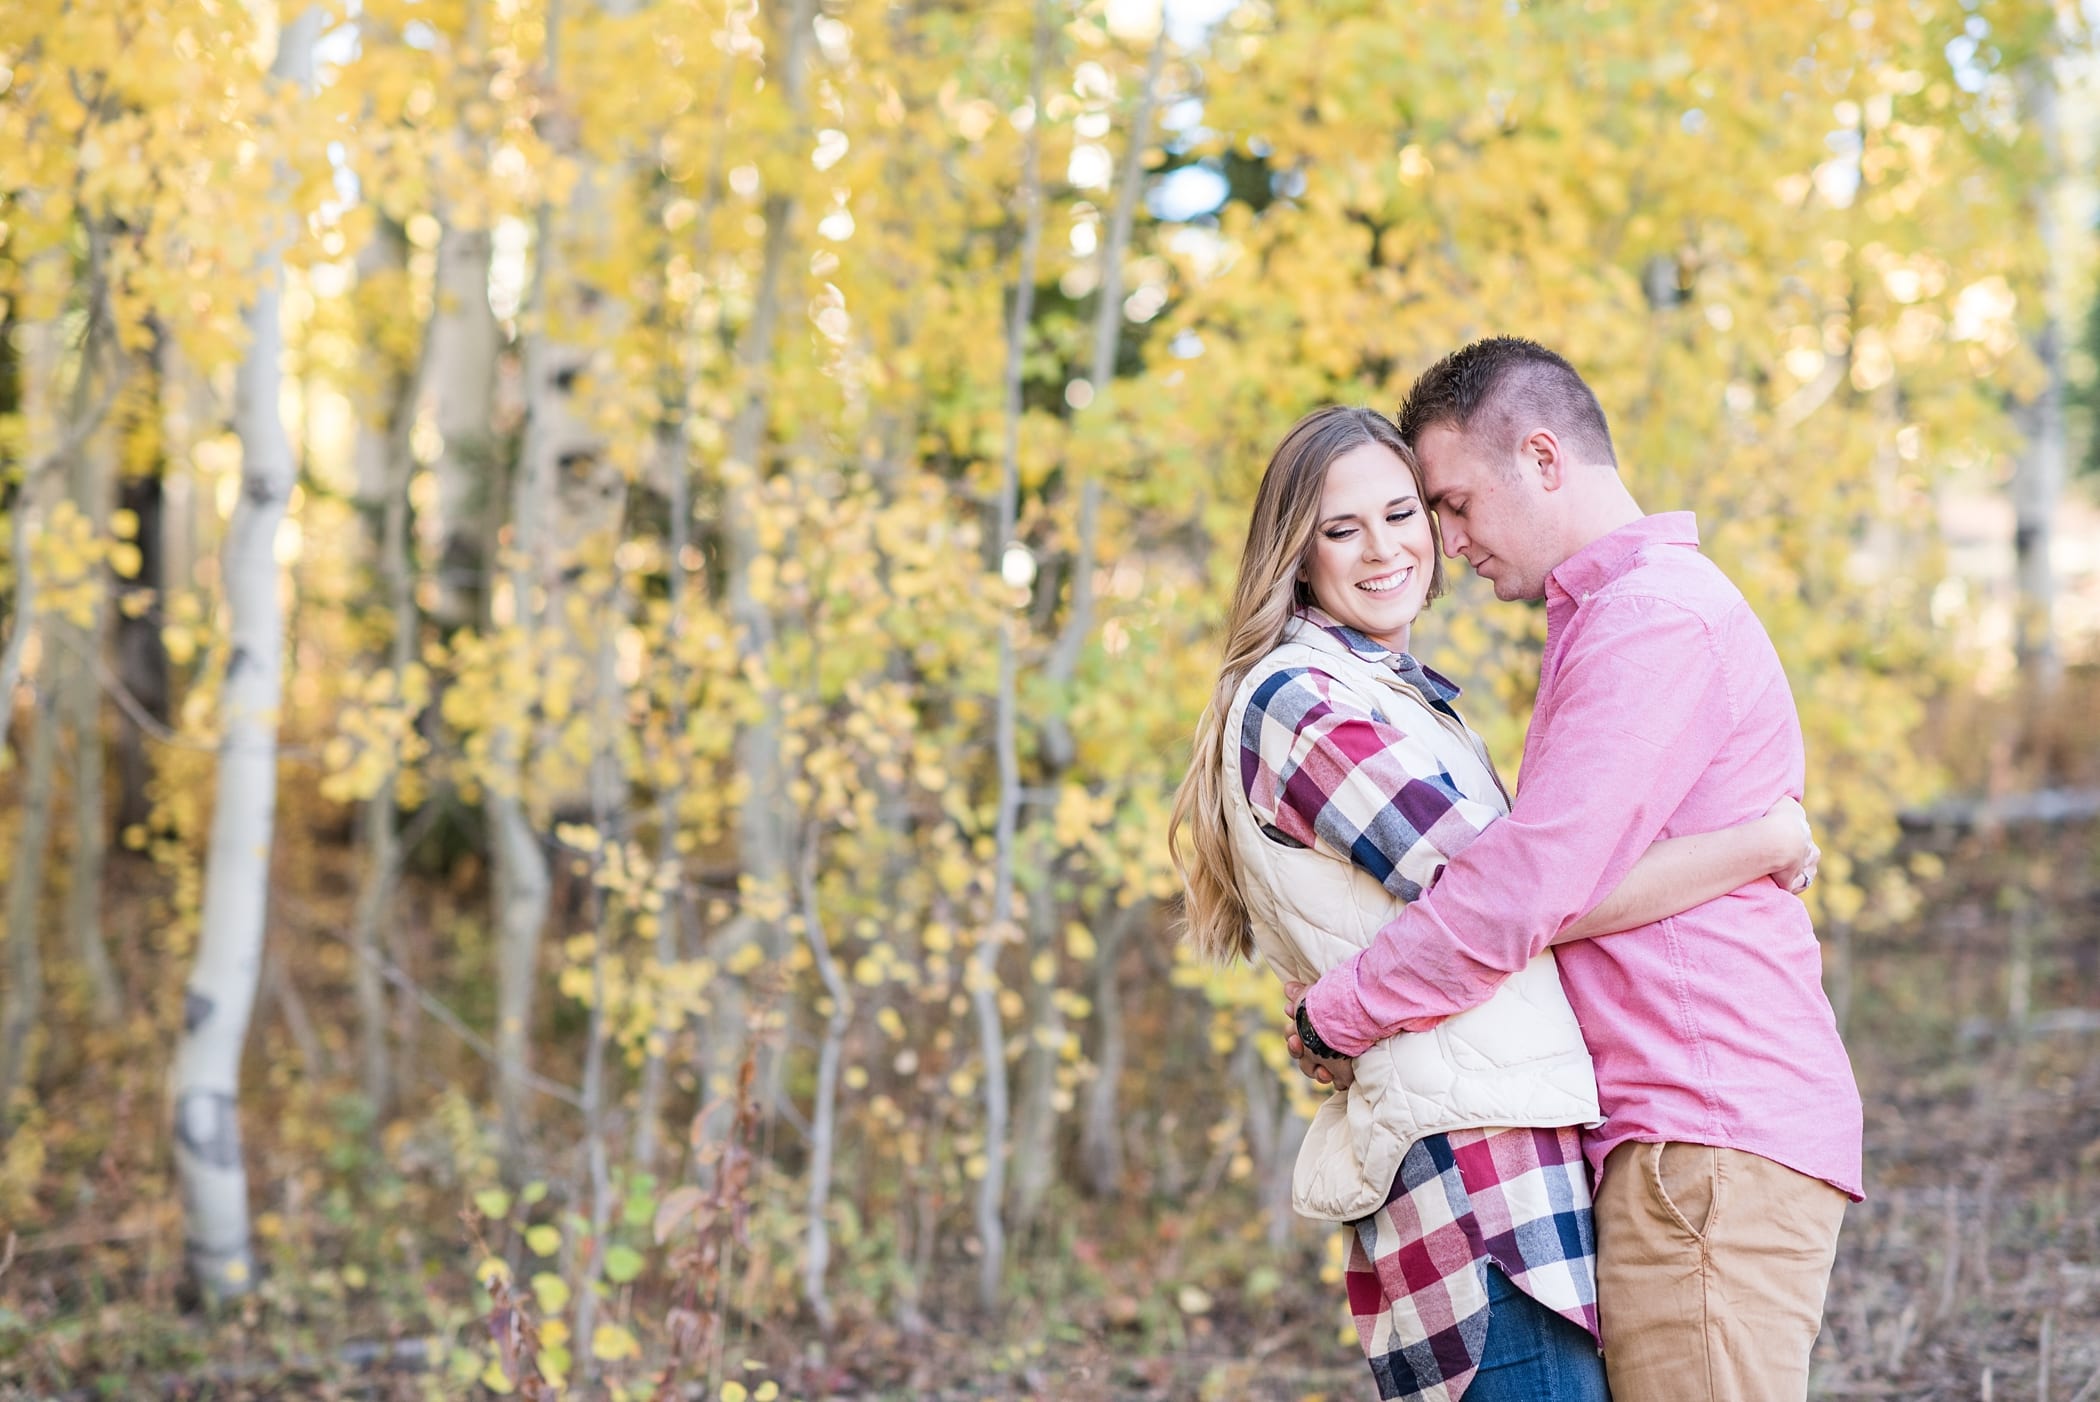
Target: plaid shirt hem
1417	1273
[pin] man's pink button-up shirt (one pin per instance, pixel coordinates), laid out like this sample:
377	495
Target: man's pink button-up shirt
1662	710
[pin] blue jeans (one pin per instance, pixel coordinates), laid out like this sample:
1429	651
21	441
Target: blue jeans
1533	1354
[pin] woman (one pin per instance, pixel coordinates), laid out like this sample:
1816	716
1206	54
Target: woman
1331	781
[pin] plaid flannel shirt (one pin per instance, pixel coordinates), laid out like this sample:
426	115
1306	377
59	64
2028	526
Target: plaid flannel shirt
1325	768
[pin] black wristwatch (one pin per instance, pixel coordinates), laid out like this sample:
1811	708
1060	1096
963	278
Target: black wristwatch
1310	1035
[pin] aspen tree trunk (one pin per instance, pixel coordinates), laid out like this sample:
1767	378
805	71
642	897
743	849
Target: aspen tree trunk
1035	1118
67	432
12	656
2039	477
464	344
386	469
186	415
1058	747
762	822
554	436
1035	1138
984	962
823	1138
221	990
607	794
671	921
22	1001
80	696
93	473
1101	1126
1274	1131
65	429
463	350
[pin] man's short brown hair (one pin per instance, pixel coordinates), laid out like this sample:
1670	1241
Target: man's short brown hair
1505	387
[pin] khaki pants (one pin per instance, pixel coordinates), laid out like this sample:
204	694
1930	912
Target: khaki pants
1711	1268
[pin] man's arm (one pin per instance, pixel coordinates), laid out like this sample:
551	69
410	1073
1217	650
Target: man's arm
1641	708
1679	873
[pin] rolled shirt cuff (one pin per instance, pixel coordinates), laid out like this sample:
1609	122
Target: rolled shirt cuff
1337	1013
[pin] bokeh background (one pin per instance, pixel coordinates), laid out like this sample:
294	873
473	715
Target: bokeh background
634	577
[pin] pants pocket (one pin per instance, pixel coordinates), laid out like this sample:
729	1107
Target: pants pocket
1686	1179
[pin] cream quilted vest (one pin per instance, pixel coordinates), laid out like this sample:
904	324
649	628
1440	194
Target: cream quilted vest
1516	1060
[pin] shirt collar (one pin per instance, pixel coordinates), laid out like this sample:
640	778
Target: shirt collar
1403	665
1607	557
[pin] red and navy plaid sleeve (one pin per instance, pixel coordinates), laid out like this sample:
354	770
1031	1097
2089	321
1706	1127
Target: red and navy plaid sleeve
1325	770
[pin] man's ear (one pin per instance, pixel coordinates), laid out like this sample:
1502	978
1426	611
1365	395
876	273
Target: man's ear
1541	450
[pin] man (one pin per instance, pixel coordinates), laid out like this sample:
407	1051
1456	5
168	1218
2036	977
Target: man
1731	1139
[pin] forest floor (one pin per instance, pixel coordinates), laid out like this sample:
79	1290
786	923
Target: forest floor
1971	1271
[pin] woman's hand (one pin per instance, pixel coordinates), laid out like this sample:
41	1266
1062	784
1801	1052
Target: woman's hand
1794	846
1338	1074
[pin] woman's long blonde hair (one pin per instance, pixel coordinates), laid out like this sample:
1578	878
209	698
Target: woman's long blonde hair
1268	592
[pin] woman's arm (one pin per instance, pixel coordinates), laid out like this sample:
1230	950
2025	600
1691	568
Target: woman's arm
1677	873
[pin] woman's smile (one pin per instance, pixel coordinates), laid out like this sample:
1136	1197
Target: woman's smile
1387	583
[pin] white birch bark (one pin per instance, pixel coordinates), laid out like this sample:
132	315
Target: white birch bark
608	786
671	922
465	342
220	995
2038	479
55	434
386	468
22	1001
984	961
762	820
1058	746
1101	1121
80	697
92	485
824	1113
554	435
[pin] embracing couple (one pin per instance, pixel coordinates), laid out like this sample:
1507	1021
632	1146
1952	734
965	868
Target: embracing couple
1589	1091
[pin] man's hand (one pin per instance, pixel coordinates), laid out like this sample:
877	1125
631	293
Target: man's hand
1340	1074
1800	855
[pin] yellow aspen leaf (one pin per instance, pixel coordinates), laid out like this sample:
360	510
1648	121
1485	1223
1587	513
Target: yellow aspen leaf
492	1269
544	1239
1079	941
496	1380
551	1291
492	1203
554	1361
622	1264
734	1391
611	1343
